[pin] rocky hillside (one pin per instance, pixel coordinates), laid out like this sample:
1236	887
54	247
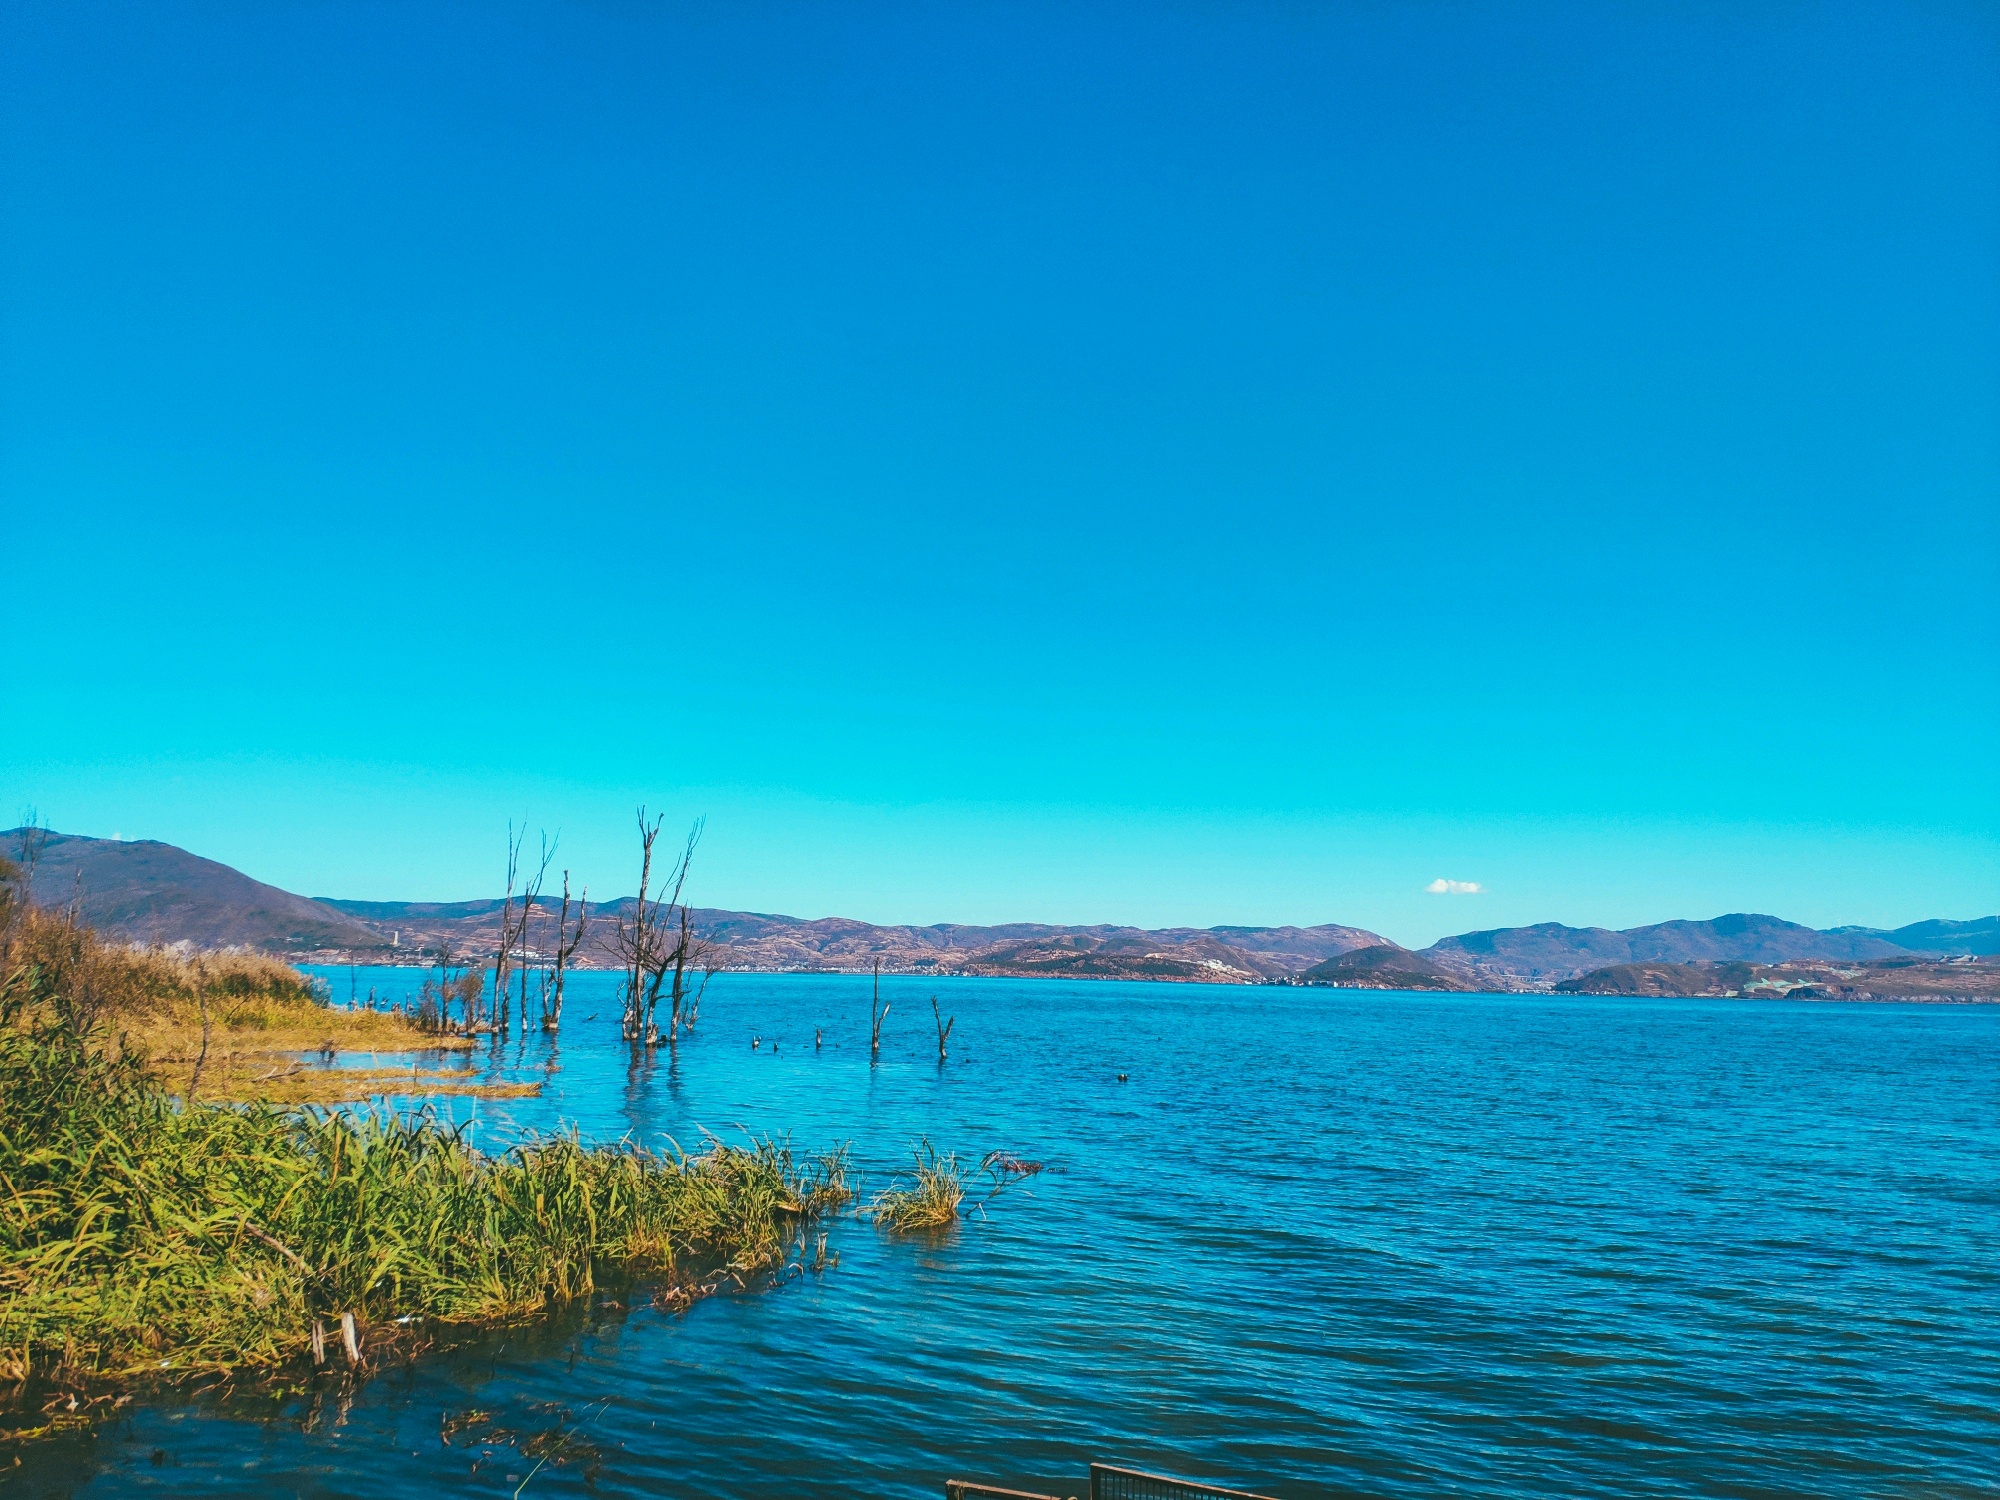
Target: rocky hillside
149	892
1384	967
1906	978
1548	953
155	893
141	891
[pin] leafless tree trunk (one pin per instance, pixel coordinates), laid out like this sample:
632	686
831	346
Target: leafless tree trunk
502	953
201	1001
568	940
440	989
34	838
690	953
514	930
657	957
943	1026
876	1011
530	899
711	965
469	982
637	935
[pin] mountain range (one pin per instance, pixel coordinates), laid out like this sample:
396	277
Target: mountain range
149	892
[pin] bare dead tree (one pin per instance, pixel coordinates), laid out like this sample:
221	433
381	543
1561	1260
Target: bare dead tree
637	939
656	943
503	954
943	1027
711	965
201	1003
876	1011
432	997
510	956
531	898
690	953
568	940
674	950
443	987
34	839
469	982
634	939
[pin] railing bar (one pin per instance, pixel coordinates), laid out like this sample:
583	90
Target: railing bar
1169	1486
961	1489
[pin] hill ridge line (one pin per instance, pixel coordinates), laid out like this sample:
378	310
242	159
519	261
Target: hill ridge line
149	891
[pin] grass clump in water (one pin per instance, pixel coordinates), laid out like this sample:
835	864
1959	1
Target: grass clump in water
931	1199
933	1196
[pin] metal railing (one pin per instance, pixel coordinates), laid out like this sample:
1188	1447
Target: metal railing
1109	1483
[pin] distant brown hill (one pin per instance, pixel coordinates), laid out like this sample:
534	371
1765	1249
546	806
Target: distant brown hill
1664	979
142	891
155	893
145	891
1384	967
757	940
1549	952
1910	977
1979	936
1127	954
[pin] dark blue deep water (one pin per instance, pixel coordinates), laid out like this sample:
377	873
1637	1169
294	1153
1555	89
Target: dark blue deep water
1321	1243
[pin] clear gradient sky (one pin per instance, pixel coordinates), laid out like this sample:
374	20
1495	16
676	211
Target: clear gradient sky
1155	463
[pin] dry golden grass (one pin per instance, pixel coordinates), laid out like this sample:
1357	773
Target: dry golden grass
268	1037
228	1026
250	1078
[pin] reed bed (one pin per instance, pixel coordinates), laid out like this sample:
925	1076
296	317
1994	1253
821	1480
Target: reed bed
140	1234
145	1228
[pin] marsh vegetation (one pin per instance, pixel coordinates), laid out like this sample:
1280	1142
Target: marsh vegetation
139	1233
209	1026
933	1194
146	1227
176	1202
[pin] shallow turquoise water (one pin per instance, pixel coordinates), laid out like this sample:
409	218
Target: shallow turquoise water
1321	1243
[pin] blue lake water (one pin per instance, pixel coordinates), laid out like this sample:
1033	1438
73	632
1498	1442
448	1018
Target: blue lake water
1320	1243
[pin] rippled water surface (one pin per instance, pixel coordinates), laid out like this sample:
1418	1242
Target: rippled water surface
1320	1243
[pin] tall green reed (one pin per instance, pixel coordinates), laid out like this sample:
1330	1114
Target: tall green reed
140	1233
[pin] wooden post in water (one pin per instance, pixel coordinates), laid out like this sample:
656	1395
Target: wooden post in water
351	1339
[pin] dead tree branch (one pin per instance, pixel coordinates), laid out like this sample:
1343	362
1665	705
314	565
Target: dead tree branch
943	1027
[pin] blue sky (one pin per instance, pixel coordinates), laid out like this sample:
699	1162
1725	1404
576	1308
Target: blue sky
1189	463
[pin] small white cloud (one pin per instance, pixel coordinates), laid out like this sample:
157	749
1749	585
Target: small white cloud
1455	888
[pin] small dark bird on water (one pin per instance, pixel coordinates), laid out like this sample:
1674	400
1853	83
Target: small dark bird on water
756	1042
1121	1077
